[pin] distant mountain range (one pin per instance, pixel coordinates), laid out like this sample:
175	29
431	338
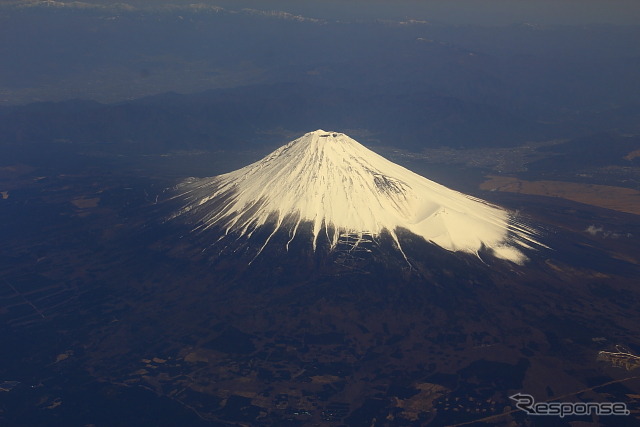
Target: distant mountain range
244	116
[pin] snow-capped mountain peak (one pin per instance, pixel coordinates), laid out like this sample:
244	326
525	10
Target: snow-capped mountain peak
346	190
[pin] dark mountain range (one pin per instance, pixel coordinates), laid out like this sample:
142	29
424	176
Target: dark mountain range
232	117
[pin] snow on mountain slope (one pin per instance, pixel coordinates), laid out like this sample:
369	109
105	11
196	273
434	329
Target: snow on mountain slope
347	190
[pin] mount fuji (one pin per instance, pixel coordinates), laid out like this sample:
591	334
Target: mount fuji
333	187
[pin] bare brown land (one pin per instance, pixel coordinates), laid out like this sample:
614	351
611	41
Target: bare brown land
82	203
632	155
604	196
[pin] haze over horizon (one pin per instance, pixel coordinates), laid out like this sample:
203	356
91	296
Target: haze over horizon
111	51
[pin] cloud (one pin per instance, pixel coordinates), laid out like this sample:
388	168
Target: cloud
601	232
282	15
52	4
155	7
